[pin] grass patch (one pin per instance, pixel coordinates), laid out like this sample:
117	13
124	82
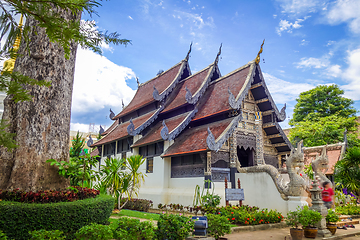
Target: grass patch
137	214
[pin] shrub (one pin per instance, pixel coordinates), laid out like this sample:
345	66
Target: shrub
48	235
174	227
2	236
49	196
94	232
332	217
137	204
309	217
17	219
133	229
218	226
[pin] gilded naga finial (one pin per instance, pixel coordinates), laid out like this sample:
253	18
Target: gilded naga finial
257	59
10	63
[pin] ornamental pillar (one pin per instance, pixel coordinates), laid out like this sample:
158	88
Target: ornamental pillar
259	153
208	169
233	158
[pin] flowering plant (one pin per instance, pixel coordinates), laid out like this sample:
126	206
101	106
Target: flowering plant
49	196
174	227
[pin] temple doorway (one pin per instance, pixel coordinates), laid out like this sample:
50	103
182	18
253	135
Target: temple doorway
246	157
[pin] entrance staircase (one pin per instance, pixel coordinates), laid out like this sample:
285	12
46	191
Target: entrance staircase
347	221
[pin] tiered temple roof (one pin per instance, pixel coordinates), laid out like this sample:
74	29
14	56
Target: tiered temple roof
199	112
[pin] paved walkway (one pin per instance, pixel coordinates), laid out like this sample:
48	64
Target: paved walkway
284	233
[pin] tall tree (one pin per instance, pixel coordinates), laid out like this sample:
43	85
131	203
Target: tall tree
321	117
322	101
47	52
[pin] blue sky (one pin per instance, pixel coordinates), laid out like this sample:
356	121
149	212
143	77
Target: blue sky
307	42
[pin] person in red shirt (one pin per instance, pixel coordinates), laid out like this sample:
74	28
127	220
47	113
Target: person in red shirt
327	195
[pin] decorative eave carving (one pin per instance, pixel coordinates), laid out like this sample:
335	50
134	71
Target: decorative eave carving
176	131
131	128
112	114
193	99
281	116
235	103
215	144
283	135
160	96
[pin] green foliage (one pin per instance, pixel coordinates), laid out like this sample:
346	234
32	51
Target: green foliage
246	215
304	217
50	235
349	209
2	236
322	101
218	226
323	130
139	214
133	229
94	232
6	138
207	199
309	217
122	176
332	217
347	170
174	227
309	171
57	28
77	145
17	219
78	169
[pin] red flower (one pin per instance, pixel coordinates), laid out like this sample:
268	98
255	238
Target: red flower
228	219
248	219
233	219
232	212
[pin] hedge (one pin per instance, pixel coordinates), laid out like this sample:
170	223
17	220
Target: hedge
17	219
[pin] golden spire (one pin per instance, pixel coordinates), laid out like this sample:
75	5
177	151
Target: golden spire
10	63
257	59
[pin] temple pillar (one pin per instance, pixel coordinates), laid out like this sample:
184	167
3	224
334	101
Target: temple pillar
233	159
259	152
208	169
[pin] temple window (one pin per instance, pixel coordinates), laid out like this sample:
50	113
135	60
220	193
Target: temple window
123	145
151	150
149	165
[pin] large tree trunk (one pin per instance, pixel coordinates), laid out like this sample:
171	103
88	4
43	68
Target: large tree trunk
41	125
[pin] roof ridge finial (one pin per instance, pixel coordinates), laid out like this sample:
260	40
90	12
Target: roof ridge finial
257	59
217	56
122	103
188	54
137	80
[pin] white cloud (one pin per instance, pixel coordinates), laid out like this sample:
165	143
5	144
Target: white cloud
301	7
283	91
333	71
99	82
285	25
131	18
352	75
313	62
304	42
195	19
347	11
81	127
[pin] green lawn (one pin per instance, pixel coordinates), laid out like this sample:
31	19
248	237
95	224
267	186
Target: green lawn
137	214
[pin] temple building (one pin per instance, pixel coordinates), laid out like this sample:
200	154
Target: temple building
194	127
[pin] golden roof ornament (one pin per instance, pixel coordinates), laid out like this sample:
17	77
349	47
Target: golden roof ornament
257	59
10	63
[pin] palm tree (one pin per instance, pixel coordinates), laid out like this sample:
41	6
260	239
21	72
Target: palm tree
347	171
122	176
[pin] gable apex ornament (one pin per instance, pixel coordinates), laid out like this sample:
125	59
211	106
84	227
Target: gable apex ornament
188	54
137	80
218	55
257	59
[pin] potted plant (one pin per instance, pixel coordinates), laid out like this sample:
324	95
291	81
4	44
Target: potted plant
293	219
331	219
309	218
